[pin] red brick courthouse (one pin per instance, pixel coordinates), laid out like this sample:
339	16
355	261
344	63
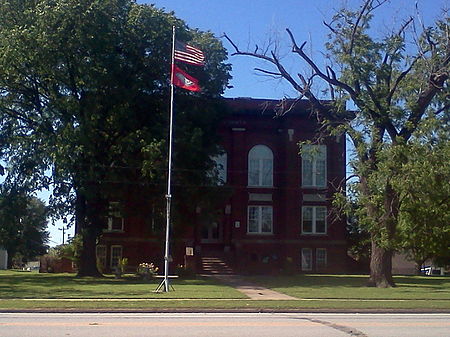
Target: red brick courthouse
279	213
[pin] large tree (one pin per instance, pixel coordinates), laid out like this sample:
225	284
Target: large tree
396	83
424	217
23	226
421	181
84	104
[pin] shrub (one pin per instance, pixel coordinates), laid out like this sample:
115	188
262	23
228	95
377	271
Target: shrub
147	270
123	263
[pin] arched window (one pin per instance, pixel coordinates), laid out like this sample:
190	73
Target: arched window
260	166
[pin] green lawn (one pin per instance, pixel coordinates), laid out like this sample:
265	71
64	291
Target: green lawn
30	285
199	305
31	290
353	287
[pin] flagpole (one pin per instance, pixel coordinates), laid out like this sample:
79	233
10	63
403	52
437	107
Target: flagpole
169	174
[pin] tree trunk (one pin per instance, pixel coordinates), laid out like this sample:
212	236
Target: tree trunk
418	269
419	264
381	267
87	264
381	257
9	263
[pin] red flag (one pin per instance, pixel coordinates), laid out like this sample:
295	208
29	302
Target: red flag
188	54
183	80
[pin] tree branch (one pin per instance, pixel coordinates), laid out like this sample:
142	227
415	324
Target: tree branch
366	9
253	54
444	108
399	33
398	80
283	106
17	115
305	91
334	31
268	72
437	80
356	25
299	50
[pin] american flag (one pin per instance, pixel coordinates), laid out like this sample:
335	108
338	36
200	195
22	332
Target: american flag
189	54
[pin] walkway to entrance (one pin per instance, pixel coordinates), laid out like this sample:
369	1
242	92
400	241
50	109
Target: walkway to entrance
254	292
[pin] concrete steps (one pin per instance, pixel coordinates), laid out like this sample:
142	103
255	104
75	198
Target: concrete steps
215	266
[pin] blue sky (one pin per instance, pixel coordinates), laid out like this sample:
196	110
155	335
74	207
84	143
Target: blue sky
250	22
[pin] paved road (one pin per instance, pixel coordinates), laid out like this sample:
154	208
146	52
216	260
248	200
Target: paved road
224	324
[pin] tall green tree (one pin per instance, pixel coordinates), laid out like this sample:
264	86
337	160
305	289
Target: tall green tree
421	181
395	83
424	217
84	95
23	226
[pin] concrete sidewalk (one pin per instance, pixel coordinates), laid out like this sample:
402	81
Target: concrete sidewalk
251	290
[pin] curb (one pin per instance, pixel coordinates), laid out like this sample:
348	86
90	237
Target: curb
237	310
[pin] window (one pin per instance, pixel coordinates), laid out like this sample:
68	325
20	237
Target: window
259	219
260	166
100	252
116	256
210	232
306	259
314	166
221	168
321	258
115	219
314	220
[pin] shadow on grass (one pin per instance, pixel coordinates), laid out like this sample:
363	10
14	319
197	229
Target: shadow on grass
352	281
29	285
414	281
311	281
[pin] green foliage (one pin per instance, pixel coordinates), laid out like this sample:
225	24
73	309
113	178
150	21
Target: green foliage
424	219
358	235
23	225
400	94
398	86
84	95
71	250
443	260
418	174
123	263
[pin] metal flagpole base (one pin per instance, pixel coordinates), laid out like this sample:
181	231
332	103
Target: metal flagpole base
161	288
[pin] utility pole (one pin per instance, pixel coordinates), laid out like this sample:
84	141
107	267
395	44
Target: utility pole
63	229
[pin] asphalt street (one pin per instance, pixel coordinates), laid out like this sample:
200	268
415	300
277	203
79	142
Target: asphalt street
223	324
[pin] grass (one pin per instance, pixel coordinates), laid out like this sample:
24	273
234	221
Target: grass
198	305
354	287
30	285
30	290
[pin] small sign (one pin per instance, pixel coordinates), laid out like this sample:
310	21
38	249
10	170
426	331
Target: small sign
237	224
189	251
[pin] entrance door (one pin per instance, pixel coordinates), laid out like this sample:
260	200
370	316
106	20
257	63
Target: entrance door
211	233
